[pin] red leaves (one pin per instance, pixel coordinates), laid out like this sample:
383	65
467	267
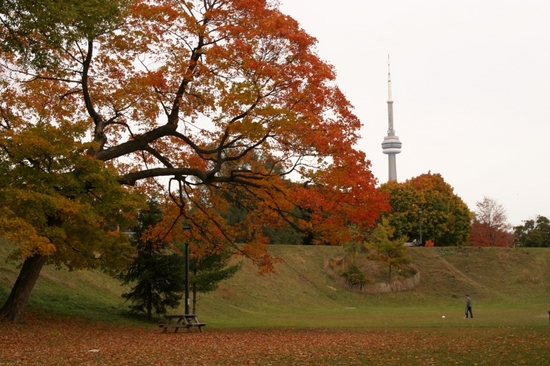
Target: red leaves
429	243
231	95
343	193
490	226
62	341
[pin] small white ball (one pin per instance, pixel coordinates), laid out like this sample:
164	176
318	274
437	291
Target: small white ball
443	316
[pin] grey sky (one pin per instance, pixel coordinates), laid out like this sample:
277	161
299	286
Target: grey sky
470	84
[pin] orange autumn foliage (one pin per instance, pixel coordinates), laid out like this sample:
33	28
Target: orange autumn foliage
204	103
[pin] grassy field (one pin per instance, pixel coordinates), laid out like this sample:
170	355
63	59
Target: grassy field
511	284
301	316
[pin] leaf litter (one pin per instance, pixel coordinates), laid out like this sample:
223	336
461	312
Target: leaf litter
58	341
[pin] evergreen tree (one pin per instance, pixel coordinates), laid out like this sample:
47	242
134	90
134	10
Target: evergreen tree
207	273
157	273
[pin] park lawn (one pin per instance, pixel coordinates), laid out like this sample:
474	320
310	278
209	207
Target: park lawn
57	340
299	316
428	315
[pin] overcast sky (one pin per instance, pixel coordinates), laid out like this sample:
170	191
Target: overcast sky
470	84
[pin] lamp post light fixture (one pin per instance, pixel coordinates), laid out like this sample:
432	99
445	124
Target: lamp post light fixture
186	227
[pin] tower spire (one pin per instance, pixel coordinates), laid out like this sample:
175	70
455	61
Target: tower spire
389	81
391	132
391	144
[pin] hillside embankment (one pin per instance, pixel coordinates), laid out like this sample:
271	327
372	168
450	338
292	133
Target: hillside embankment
494	277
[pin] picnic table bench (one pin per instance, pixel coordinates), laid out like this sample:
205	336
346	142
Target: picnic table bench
181	321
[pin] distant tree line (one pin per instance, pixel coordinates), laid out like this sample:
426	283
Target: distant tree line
533	233
490	227
423	208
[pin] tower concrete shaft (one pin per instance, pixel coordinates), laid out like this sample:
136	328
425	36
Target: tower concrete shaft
391	144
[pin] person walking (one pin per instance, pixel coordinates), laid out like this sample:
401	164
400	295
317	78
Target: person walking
468	307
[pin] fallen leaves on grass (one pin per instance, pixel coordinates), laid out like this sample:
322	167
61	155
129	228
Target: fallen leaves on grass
58	341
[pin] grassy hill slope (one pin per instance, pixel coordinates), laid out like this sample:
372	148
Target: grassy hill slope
496	278
505	284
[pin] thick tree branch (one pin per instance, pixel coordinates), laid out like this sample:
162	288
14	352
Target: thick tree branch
241	177
139	143
99	131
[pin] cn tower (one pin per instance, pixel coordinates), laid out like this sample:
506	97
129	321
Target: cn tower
391	145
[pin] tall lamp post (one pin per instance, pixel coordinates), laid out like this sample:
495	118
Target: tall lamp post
420	223
185	226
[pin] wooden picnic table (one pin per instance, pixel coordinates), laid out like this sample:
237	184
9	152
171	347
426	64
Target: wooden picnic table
181	321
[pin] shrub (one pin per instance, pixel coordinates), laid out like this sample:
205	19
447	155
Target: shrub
354	275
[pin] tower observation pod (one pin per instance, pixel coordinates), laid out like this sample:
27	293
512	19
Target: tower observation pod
391	144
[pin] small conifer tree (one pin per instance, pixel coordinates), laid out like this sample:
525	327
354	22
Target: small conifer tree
390	251
156	275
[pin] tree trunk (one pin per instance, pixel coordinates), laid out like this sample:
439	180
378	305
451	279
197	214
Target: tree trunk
21	291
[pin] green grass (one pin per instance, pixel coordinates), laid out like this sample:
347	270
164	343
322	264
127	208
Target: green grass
89	295
509	287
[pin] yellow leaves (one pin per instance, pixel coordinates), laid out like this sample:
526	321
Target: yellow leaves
24	235
58	201
430	200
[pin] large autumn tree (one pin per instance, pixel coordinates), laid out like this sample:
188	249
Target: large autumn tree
205	97
59	206
430	202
